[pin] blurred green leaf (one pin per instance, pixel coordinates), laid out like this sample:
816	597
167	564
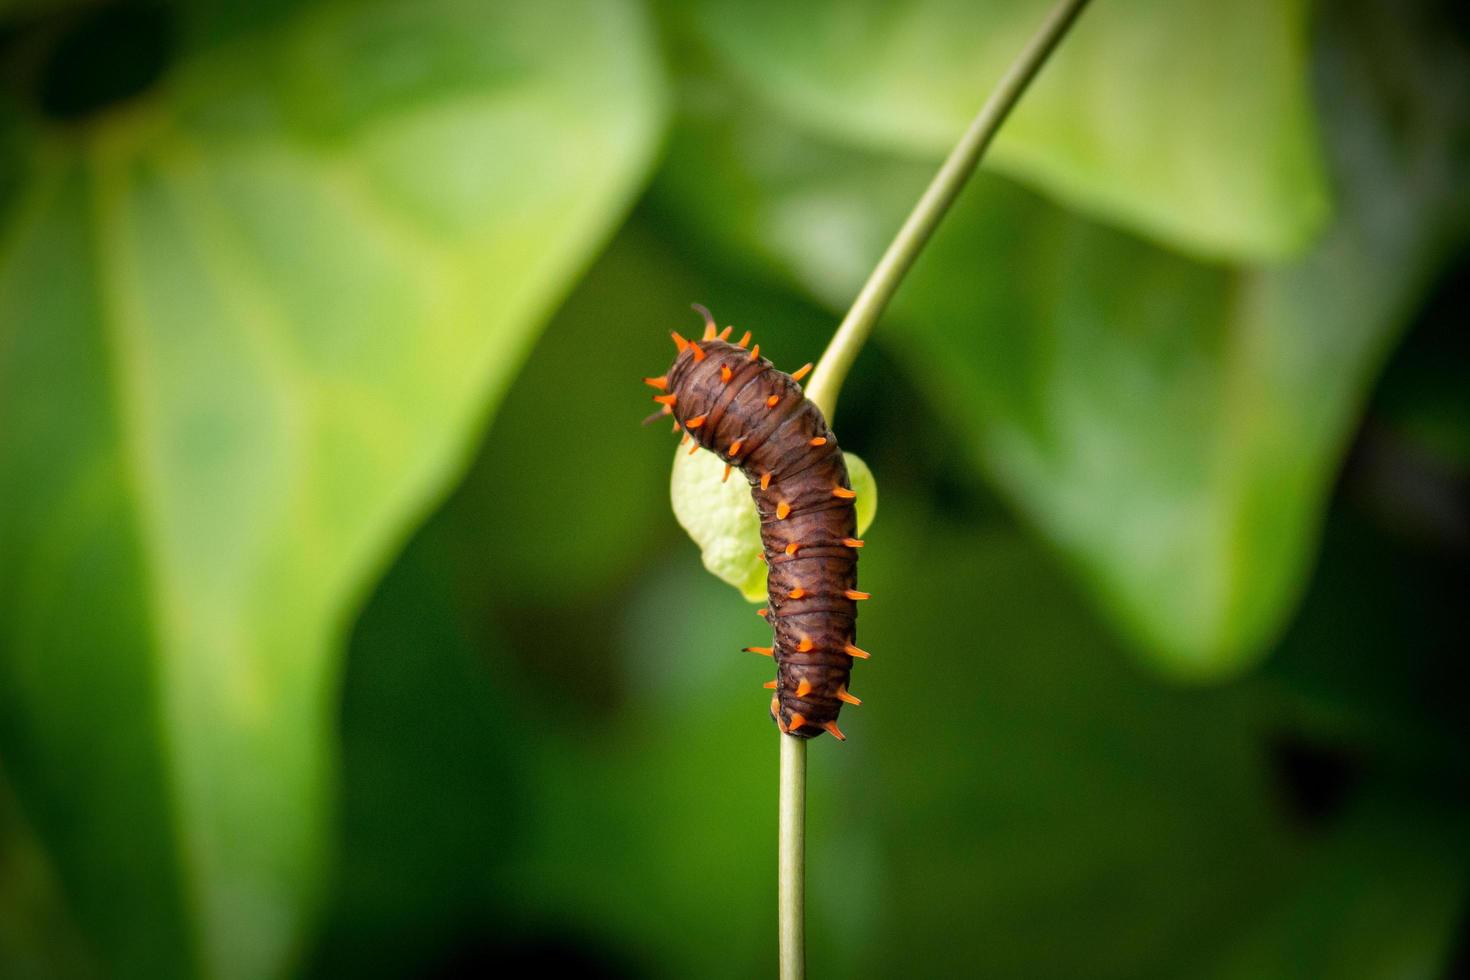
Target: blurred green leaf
1188	120
720	516
1177	428
1174	426
570	523
246	326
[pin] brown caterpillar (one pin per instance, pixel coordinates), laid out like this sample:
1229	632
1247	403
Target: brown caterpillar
734	403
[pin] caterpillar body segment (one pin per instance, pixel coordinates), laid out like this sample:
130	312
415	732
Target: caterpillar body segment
736	404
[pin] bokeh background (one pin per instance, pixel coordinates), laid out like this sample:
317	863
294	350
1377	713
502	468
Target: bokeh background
345	629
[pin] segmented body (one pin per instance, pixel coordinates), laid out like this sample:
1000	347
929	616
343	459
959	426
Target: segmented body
734	403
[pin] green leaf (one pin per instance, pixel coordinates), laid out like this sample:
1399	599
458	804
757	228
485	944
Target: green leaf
721	517
1177	428
1187	120
1174	427
247	325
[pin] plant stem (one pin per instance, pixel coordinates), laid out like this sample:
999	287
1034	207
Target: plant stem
791	858
827	381
832	369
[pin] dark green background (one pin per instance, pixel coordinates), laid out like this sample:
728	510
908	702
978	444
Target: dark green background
345	629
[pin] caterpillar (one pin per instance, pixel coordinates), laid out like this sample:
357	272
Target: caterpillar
736	404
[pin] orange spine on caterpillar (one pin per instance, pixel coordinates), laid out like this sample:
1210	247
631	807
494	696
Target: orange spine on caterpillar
733	402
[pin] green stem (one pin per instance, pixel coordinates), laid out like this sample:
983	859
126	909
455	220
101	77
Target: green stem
832	369
791	857
827	381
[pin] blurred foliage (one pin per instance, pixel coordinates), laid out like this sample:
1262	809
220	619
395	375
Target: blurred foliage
1020	801
267	272
263	291
1144	116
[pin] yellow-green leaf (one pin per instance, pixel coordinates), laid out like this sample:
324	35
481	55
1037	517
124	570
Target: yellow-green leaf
720	516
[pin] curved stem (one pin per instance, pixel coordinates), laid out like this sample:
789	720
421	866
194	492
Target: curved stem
791	858
832	369
827	381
